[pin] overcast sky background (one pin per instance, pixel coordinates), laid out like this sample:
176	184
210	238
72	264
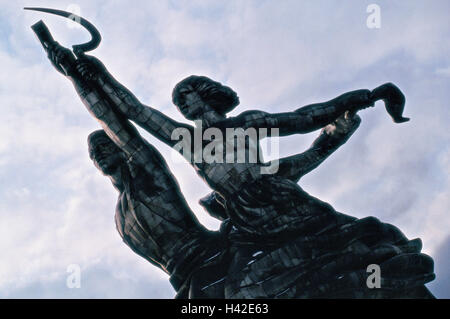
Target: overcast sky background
56	209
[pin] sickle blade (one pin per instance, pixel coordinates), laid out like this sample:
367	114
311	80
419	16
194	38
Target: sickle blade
79	48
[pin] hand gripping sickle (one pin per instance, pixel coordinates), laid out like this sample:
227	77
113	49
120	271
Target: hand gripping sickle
46	39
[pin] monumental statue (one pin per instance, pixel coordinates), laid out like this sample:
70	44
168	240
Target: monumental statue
275	240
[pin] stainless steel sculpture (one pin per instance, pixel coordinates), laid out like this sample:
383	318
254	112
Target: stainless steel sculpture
276	241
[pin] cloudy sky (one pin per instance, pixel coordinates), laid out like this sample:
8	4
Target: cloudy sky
57	210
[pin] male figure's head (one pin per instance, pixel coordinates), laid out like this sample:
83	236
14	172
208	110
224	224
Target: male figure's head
107	157
196	95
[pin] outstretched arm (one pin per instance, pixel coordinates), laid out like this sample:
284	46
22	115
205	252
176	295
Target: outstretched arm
125	103
330	139
308	118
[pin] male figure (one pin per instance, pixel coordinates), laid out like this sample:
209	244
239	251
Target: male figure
152	216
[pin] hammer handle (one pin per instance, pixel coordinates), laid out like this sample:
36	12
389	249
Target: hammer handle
46	39
43	34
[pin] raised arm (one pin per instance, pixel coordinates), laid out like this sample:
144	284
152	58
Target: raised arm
118	128
122	132
126	104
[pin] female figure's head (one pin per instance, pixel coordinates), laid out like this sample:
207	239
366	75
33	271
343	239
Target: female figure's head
196	95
